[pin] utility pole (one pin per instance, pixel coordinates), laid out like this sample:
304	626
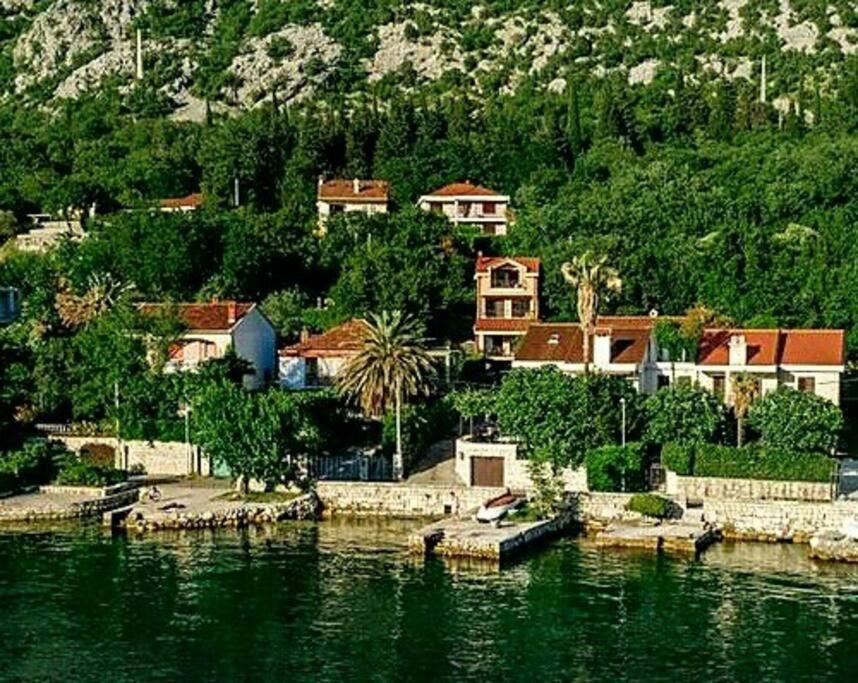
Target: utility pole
119	452
763	81
236	195
623	411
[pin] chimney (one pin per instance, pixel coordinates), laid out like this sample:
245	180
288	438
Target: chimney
356	186
602	347
305	335
738	351
231	312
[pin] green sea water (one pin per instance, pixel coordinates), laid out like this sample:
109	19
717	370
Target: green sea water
342	601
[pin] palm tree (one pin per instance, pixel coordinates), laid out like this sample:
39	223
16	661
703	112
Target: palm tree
593	280
746	389
391	365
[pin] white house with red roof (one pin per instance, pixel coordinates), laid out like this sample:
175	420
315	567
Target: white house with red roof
316	359
215	327
807	360
469	204
507	302
343	195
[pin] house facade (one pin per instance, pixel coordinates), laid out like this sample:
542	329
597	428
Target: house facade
316	359
214	328
807	360
185	204
469	204
507	303
342	196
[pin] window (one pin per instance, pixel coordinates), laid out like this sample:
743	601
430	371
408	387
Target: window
505	277
436	207
337	208
663	381
489	208
520	308
719	384
464	209
311	372
494	308
807	384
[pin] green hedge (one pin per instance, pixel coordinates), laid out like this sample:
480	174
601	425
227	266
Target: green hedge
83	474
7	482
748	462
616	468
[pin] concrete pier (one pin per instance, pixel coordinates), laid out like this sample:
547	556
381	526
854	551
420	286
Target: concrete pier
469	538
673	536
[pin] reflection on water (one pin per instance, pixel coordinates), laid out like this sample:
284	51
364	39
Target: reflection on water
342	600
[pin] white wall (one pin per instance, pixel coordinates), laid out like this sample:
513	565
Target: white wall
255	341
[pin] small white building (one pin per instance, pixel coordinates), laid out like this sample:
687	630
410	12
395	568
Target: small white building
340	196
185	204
47	231
807	360
469	204
214	328
316	359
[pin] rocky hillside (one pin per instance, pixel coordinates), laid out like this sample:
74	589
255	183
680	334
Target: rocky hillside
238	53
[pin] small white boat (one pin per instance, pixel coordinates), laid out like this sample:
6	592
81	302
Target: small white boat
850	529
496	508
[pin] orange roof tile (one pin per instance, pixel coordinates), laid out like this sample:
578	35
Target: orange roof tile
343	340
502	325
775	347
564	343
370	191
216	316
193	201
530	263
463	189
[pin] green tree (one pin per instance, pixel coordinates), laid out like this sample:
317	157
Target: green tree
745	390
683	414
796	421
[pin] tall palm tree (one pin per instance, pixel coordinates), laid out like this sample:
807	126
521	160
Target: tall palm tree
594	281
392	365
746	390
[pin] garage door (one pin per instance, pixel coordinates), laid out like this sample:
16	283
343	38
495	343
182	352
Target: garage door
486	471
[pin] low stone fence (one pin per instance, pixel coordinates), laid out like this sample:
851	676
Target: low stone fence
173	458
777	520
601	508
367	498
704	488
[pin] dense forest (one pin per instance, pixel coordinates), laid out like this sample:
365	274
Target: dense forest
695	189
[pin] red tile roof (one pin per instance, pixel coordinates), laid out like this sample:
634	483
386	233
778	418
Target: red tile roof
463	189
775	347
531	264
564	343
343	340
342	189
503	324
216	316
191	201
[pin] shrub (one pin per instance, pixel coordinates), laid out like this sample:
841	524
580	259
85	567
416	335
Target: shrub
749	462
35	463
7	482
652	505
548	490
793	420
79	473
683	415
616	468
678	458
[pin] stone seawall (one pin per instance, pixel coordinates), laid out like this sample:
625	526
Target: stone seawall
700	488
45	510
173	458
777	520
368	498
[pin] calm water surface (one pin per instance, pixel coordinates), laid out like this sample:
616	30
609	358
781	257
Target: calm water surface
342	601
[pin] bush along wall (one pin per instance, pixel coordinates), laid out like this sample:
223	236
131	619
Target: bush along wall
749	462
616	468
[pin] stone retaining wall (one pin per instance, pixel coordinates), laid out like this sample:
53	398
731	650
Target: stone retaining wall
90	507
367	498
700	488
